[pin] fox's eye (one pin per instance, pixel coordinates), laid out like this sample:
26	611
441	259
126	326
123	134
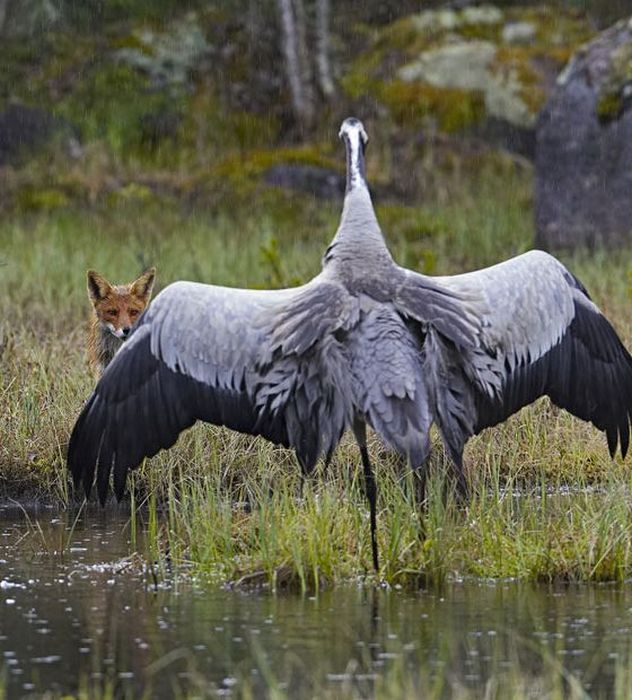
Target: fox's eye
133	313
113	312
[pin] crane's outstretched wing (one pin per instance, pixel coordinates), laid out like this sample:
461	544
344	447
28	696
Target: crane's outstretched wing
542	335
199	353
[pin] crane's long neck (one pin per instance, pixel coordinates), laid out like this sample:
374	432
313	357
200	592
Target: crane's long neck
354	145
359	236
358	222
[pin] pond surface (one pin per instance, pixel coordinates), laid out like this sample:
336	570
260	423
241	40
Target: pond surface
93	617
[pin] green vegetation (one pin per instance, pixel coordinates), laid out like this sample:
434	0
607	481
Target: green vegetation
147	91
229	504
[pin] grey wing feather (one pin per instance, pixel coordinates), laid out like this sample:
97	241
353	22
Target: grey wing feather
304	368
212	334
528	304
454	312
318	308
542	335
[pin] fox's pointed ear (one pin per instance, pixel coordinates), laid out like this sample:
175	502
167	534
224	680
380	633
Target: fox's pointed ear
98	286
143	286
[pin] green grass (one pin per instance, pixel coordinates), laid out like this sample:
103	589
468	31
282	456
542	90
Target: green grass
229	504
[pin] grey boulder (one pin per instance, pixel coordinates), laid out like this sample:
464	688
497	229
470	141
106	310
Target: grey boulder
583	165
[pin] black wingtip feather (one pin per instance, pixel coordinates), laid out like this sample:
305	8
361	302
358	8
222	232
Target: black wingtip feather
83	447
120	480
624	440
612	437
104	466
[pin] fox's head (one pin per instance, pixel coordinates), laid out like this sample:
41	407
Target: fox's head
118	307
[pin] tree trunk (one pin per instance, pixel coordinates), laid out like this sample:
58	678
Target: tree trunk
323	63
295	51
3	14
304	62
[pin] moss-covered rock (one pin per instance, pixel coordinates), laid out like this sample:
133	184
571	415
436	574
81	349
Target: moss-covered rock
319	182
466	66
470	66
131	192
253	164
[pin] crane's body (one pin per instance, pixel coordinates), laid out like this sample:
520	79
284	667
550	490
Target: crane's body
364	342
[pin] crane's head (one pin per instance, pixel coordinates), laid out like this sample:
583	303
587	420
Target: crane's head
353	134
352	131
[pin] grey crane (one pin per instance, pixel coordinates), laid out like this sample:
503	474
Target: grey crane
364	342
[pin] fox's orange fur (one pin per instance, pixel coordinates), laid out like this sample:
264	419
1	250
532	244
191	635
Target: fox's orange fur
115	309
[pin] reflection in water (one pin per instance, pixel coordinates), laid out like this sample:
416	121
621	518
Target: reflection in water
92	613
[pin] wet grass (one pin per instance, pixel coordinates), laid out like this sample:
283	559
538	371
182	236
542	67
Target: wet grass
547	502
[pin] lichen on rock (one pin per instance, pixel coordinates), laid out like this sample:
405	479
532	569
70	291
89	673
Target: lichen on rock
519	33
475	66
166	57
616	90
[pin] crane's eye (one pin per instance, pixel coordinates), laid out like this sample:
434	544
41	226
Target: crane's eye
113	312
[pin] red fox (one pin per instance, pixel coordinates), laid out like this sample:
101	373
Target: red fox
115	310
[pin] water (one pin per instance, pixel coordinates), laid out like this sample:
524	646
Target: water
95	615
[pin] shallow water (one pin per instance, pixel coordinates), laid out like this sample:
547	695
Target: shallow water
92	615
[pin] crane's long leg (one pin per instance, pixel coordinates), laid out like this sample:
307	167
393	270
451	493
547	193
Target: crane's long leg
421	476
307	472
459	473
359	430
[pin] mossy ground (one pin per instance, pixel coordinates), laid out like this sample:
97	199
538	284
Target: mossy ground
547	502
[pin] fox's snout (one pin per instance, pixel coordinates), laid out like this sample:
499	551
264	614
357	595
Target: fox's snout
120	333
